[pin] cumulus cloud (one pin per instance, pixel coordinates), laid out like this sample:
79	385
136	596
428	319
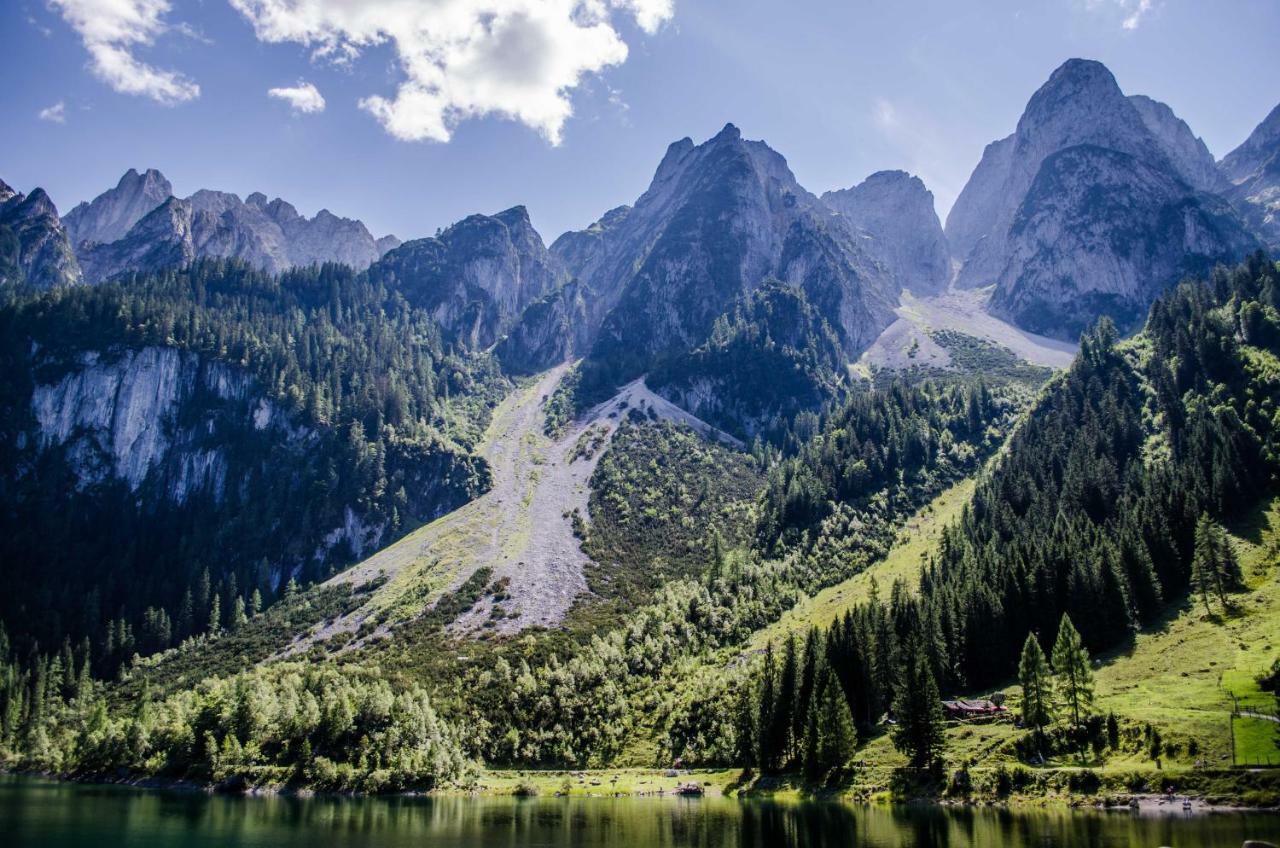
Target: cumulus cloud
57	113
465	58
303	98
111	31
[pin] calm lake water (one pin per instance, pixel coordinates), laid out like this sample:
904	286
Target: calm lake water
53	815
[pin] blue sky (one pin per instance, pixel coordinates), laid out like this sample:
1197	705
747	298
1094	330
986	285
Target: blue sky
566	106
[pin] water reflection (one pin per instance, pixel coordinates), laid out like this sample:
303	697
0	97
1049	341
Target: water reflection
52	815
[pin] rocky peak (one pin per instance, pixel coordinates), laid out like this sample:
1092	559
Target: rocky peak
1257	149
1253	170
1091	207
894	216
110	215
476	276
718	219
1188	153
41	254
387	244
268	234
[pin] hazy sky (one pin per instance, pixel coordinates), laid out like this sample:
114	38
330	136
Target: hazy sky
410	115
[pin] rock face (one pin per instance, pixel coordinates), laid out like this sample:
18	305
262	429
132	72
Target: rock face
1102	233
582	251
1188	153
1091	207
894	215
717	220
476	277
1253	172
553	329
34	247
123	230
111	215
120	418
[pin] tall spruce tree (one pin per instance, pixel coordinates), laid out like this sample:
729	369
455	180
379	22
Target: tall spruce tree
1074	677
1037	688
917	707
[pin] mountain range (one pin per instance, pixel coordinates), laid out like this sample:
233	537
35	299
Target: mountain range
575	495
1096	203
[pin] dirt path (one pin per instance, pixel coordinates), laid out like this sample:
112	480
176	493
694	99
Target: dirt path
522	528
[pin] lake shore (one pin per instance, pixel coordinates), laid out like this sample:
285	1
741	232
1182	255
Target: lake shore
734	783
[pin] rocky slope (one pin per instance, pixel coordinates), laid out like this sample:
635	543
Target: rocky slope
111	215
1102	233
475	277
1253	171
139	226
34	247
1051	213
894	215
718	219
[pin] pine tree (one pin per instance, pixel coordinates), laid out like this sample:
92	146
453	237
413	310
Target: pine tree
766	705
809	669
785	703
1071	668
215	615
1206	562
837	738
1037	688
745	729
917	707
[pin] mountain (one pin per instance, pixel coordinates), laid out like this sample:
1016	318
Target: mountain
719	219
34	247
130	413
476	277
111	215
894	213
1188	153
1093	206
1253	170
139	226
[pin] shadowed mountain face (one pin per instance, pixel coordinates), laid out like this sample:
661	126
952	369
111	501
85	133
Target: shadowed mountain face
1253	173
894	217
1095	204
34	247
139	226
476	277
718	219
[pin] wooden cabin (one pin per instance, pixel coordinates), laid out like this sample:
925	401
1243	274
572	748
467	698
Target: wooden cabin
972	709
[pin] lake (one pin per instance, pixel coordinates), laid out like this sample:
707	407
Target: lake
44	814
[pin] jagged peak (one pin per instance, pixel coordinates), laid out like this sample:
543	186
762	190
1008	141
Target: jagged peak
517	215
1081	80
6	191
39	198
728	133
257	199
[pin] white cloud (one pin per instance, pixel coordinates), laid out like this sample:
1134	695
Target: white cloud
1135	15
111	30
303	98
885	115
464	58
1131	12
57	113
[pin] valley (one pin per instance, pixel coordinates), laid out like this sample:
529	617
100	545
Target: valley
787	494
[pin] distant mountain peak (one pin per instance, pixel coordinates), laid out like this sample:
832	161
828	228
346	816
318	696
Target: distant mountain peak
110	215
895	212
